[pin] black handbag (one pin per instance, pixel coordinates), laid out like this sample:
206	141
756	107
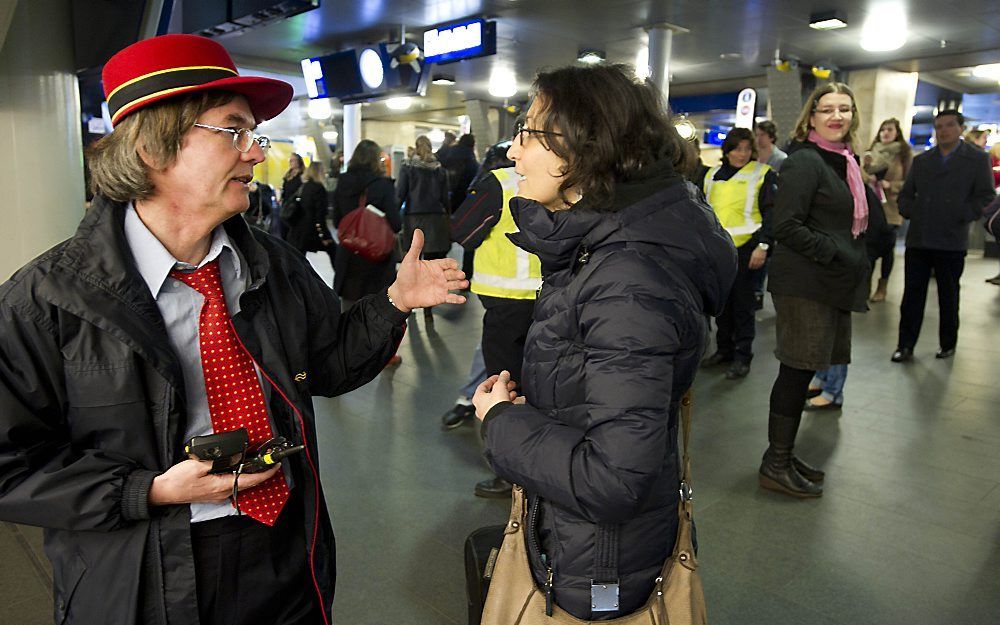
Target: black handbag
481	550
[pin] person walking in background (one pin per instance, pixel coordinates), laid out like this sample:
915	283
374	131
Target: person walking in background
422	190
261	210
887	162
307	229
995	164
819	272
290	183
977	138
449	142
633	265
768	152
945	190
461	164
364	183
741	192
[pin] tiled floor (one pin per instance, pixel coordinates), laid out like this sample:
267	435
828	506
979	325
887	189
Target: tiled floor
907	532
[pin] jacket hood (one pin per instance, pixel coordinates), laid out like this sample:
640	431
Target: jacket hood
416	163
658	209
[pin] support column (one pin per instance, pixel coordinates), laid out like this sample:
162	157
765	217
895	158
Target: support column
352	131
784	93
484	131
661	40
881	94
40	132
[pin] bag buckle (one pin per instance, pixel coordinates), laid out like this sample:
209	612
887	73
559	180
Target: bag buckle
603	596
686	492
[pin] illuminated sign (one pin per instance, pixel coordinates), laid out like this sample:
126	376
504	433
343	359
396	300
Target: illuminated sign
363	75
465	40
746	106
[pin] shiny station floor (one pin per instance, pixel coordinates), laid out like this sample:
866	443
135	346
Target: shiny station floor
907	532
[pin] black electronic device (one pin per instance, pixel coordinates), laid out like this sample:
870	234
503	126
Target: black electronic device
269	454
226	450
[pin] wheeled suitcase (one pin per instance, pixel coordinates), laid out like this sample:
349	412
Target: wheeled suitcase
481	549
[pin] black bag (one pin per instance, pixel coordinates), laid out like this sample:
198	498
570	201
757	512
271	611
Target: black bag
481	550
291	207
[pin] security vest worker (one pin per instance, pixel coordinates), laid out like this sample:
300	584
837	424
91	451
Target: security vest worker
506	279
741	191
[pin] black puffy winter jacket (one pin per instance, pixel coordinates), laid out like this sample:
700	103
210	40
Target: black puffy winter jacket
620	324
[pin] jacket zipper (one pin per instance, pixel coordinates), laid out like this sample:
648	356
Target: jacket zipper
312	468
533	537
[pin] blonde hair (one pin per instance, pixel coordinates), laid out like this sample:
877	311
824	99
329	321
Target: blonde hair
802	127
118	172
422	149
995	150
314	172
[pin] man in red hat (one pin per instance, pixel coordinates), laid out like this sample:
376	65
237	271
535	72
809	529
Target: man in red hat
166	318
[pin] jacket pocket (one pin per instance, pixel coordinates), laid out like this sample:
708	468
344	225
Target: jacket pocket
68	578
90	385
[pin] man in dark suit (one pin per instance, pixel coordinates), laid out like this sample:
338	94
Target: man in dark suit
945	190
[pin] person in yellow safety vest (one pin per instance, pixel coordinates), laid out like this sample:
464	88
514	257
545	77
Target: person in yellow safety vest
506	279
741	191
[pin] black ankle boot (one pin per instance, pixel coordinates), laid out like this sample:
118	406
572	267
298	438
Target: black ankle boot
778	474
809	472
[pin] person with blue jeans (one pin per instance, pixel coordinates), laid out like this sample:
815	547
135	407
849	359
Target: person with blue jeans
827	389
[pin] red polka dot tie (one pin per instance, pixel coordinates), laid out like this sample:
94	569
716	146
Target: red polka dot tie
235	399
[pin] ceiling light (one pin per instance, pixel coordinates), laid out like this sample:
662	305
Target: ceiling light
590	56
320	109
399	104
885	28
441	79
828	20
685	128
730	56
331	136
503	83
987	71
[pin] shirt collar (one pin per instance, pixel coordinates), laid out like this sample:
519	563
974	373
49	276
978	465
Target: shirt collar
155	262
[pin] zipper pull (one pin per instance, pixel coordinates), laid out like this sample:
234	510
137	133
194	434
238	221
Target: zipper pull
548	592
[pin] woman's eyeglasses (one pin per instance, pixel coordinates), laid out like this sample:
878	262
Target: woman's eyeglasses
243	138
520	130
830	110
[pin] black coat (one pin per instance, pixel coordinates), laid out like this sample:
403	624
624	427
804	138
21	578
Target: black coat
621	322
461	165
311	212
992	215
92	408
942	199
423	188
354	276
816	256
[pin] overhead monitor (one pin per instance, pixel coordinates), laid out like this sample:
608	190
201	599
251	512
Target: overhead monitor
363	75
463	40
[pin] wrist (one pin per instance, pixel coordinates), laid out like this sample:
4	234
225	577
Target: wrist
393	294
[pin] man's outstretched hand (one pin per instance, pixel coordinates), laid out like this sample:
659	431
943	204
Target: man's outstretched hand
423	283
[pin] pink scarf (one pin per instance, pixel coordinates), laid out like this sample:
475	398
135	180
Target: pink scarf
854	180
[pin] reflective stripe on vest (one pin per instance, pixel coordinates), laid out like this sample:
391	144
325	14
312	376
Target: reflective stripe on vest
735	200
501	268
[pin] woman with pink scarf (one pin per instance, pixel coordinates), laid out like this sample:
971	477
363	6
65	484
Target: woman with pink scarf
819	272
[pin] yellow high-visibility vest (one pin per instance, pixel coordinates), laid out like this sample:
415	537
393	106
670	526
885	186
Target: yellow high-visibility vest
735	200
502	269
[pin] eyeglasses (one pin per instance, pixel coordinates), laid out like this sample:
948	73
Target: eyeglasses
844	110
243	138
519	131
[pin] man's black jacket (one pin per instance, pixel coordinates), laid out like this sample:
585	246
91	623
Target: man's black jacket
92	408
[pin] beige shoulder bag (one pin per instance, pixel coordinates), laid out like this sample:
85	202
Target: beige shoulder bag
677	598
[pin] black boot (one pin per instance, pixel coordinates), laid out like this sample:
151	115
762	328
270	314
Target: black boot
777	472
811	473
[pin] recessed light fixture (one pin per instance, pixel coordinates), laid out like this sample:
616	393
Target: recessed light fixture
991	70
503	83
591	56
828	20
441	79
730	56
885	28
399	104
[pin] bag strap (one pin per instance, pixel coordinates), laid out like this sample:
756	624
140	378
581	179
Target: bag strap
363	200
517	510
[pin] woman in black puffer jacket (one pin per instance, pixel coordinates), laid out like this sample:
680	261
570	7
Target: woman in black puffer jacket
633	264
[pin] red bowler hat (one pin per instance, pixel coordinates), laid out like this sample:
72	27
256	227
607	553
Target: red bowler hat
170	65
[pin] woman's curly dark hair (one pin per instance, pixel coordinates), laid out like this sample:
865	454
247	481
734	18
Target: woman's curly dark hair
611	125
